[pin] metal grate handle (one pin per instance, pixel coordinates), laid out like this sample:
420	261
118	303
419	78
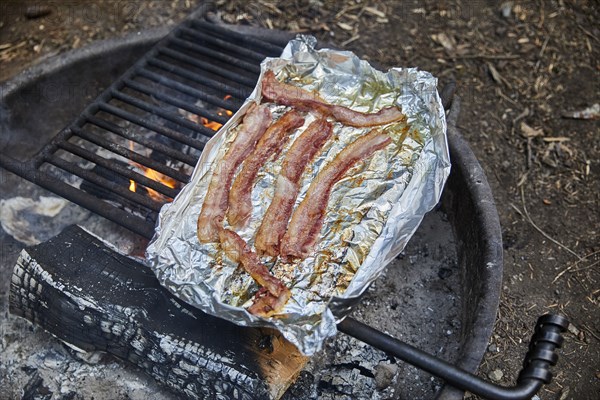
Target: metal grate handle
536	367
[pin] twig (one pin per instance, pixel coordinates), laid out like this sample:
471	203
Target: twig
519	117
505	97
11	47
352	39
590	34
586	267
576	263
537	64
590	331
529	154
490	56
526	214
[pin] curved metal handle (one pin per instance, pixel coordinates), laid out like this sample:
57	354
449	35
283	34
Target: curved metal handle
536	367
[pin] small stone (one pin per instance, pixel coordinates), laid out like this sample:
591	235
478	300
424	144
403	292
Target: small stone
496	375
53	360
384	374
573	330
506	9
492	348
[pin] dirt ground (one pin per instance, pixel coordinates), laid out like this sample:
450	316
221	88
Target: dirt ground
522	69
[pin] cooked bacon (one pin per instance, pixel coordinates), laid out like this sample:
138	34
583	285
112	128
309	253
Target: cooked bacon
216	201
303	150
290	95
265	304
237	250
269	145
285	94
306	222
350	117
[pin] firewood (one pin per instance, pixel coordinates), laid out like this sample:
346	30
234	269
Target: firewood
95	299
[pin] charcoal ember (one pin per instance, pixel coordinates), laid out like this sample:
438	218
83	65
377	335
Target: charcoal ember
35	388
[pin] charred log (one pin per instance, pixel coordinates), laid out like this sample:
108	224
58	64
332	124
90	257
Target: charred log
95	299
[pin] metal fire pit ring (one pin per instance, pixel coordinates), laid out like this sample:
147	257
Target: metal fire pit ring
467	199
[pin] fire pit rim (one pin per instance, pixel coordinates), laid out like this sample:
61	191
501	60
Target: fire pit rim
465	165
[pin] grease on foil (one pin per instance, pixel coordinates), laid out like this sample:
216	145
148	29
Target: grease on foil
371	215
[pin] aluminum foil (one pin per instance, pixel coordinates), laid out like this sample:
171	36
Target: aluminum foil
372	212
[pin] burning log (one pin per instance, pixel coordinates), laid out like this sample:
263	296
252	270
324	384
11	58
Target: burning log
95	299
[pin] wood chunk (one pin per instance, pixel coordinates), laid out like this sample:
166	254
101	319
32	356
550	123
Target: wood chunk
95	299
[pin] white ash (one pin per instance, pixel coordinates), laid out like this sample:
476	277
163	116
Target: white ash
31	221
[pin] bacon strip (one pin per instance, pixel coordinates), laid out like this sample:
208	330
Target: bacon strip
216	201
271	143
237	250
304	228
290	95
265	304
303	150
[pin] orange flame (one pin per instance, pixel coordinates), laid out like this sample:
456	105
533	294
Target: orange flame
157	176
154	175
215	126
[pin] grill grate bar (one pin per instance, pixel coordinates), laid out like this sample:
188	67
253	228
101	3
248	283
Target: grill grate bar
185	105
230	75
222	44
119	169
165	114
151	144
105	183
134	223
229	60
175	135
131	155
236	92
193	70
270	49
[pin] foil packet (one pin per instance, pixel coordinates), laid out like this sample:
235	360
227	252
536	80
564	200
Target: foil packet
372	212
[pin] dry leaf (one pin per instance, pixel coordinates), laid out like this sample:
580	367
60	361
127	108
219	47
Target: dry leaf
496	75
529	132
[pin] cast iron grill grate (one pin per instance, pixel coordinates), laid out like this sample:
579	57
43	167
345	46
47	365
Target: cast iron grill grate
149	120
